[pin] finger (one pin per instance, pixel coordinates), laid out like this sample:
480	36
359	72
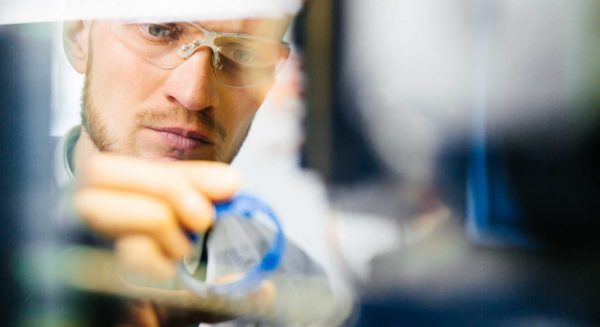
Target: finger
116	213
189	187
141	314
193	210
204	181
214	179
218	181
261	299
139	255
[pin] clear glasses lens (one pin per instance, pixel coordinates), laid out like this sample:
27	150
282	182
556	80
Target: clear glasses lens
246	61
238	60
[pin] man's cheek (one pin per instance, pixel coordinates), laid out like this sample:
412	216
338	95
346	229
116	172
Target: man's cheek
253	97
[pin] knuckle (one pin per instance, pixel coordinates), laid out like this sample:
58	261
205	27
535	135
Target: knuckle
93	168
84	205
163	220
197	209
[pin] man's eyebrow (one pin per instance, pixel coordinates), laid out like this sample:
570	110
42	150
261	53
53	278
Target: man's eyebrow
226	26
254	27
264	28
234	26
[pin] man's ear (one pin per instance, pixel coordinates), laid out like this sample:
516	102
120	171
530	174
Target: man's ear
76	43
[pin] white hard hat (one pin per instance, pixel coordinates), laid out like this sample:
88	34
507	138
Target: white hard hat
31	11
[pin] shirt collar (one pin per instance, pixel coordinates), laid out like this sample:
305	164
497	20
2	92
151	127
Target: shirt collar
63	156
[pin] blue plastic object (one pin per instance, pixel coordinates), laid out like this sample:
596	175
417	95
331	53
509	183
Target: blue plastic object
243	206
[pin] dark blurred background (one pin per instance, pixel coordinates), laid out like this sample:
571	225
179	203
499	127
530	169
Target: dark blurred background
25	82
516	157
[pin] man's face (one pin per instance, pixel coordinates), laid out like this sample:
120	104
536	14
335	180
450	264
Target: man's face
133	107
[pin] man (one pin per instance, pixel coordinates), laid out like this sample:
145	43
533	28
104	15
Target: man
166	106
134	106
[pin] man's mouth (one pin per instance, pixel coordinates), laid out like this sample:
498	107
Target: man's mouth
181	139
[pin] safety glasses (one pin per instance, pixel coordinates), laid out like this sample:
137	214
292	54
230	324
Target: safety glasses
239	60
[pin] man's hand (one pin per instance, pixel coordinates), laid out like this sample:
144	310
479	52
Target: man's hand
147	207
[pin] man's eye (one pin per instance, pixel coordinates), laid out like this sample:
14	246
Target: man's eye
243	56
161	31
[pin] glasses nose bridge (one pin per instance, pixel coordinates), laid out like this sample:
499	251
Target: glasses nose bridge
187	50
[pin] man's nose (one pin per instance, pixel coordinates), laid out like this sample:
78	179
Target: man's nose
193	84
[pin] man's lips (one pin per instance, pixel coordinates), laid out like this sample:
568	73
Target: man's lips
180	138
